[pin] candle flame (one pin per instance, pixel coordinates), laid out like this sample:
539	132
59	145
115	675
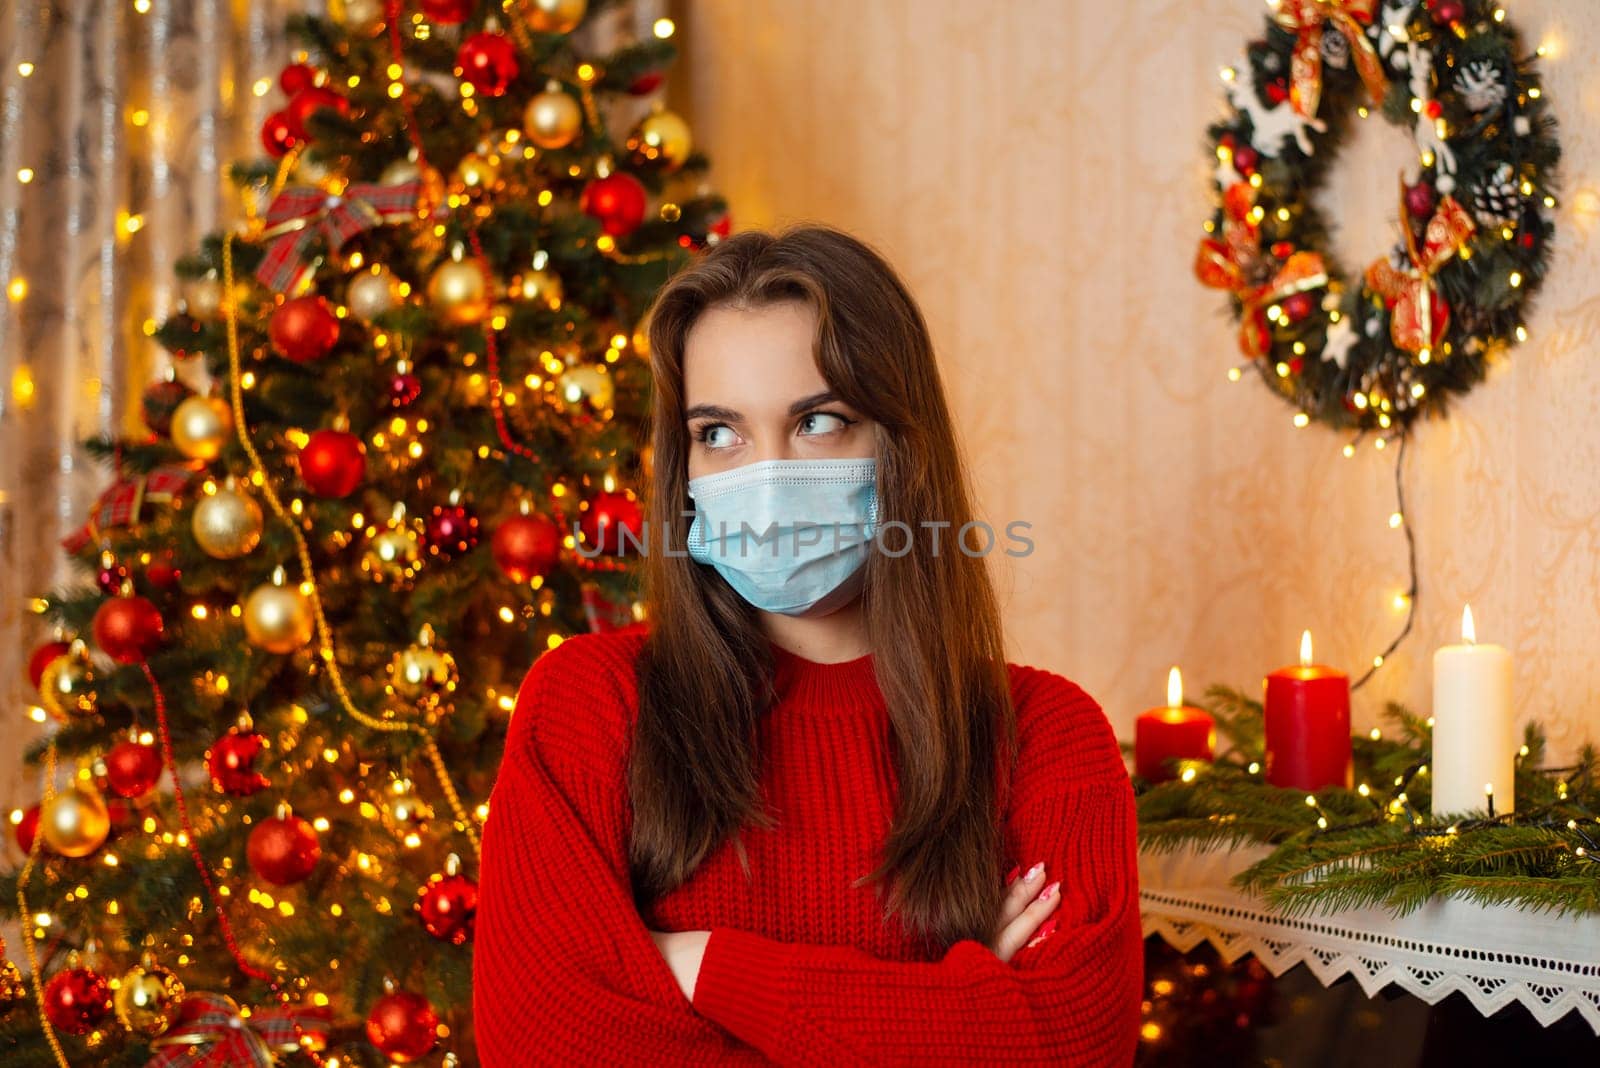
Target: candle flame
1305	649
1469	633
1175	688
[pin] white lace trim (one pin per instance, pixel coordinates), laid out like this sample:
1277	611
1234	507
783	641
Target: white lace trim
1495	956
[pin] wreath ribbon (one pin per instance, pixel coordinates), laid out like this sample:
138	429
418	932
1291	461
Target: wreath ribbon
1234	263
210	1033
1410	293
301	214
1308	20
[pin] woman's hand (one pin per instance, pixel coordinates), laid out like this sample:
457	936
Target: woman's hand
683	951
1025	914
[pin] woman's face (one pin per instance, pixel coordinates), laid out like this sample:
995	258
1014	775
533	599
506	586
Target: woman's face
752	392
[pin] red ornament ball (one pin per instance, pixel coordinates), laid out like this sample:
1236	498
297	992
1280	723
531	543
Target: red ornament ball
128	629
403	1026
41	659
27	827
525	546
133	768
283	850
646	83
160	400
448	905
304	329
404	389
1448	12
231	763
307	103
447	12
1299	305
278	134
450	529
76	1000
1245	159
1420	199
605	519
333	463
488	62
618	200
297	77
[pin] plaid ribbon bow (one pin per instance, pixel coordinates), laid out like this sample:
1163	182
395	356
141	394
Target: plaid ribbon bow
210	1033
1308	20
123	501
1419	316
301	214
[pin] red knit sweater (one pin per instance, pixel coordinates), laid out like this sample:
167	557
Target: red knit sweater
800	968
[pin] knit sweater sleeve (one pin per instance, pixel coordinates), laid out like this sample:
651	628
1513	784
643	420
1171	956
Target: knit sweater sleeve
564	969
1072	999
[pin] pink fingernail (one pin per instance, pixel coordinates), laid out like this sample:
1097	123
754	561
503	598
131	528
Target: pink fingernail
1045	930
1034	872
1049	891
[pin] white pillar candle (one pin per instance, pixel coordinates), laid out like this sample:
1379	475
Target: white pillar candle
1474	730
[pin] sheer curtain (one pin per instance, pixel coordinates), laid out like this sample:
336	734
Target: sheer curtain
117	124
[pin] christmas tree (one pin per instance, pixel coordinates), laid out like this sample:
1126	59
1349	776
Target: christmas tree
392	464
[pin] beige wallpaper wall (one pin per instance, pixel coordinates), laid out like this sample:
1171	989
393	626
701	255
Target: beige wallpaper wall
1035	169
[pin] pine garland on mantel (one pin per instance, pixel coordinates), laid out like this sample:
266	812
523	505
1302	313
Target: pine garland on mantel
1379	844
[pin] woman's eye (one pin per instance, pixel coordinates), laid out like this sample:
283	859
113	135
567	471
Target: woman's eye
715	435
829	423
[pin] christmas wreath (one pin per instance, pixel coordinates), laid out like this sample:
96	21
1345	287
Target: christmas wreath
1422	321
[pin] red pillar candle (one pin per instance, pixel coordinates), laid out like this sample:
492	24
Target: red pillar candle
1308	725
1174	732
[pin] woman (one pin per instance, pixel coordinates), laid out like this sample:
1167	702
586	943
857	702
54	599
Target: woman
770	824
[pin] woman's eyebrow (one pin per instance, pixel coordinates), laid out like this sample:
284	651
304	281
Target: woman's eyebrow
717	411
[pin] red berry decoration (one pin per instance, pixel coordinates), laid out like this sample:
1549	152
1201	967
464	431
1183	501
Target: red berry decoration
1299	305
128	629
607	516
160	400
1278	91
76	1000
403	1026
297	77
333	463
404	389
41	659
617	200
646	83
488	63
1448	12
1245	159
278	134
162	572
27	827
450	529
447	12
231	762
307	103
1420	200
304	329
283	850
448	905
526	545
133	768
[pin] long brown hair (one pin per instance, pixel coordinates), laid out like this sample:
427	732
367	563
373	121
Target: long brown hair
932	618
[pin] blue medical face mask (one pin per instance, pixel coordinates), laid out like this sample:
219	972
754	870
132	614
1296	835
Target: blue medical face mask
790	536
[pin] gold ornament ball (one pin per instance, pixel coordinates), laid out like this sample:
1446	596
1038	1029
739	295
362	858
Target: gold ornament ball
227	524
580	384
661	138
552	119
146	999
371	293
423	675
278	618
393	554
200	426
66	687
460	292
554	16
360	15
75	822
477	172
13	991
539	285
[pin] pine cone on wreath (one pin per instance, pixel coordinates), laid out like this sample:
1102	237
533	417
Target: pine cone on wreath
1481	86
1336	50
1496	200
